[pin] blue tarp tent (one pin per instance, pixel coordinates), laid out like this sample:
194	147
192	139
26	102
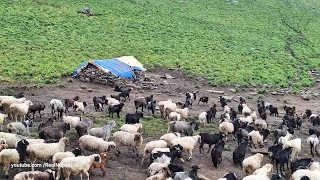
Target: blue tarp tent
115	66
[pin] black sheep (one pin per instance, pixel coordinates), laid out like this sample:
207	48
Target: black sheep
54	132
315	120
239	153
133	118
46	123
204	99
216	153
36	106
240	107
142	102
117	97
241	134
210	139
115	109
308	113
300	163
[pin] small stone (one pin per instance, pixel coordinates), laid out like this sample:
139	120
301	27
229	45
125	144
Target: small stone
213	91
252	93
233	90
90	90
305	97
158	93
168	76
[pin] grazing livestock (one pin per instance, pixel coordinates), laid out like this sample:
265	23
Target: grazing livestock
204	99
216	153
210	139
273	110
70	103
251	163
133	118
283	158
142	102
239	153
192	175
151	106
300	164
36	106
115	109
103	132
98	102
186	128
162	157
57	106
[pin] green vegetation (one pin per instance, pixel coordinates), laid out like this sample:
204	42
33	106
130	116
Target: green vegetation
243	43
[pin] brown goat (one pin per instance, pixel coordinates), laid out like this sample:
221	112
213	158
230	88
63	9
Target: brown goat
104	156
70	102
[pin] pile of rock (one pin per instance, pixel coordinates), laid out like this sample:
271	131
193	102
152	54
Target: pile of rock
93	74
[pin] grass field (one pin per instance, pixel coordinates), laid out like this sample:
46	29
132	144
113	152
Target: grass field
230	42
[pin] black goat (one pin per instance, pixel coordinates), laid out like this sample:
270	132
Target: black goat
239	153
230	176
46	123
207	138
308	113
118	89
300	163
176	153
98	102
273	110
233	114
216	153
204	99
274	150
283	158
125	94
192	95
211	113
175	168
151	106
142	102
36	106
315	131
315	120
241	134
223	101
115	109
240	107
281	132
133	118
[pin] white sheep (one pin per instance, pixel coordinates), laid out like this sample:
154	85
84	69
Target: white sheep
256	137
35	175
184	112
128	139
251	163
254	116
226	109
168	108
57	157
19	127
72	120
11	139
313	141
14	156
45	151
79	106
312	175
226	128
246	111
203	119
6	97
314	166
3	118
262	123
112	101
156	150
57	106
161	105
285	139
92	143
20	109
296	147
6	103
187	142
76	165
131	128
156	167
247	119
256	177
174	116
264	170
3	141
151	145
35	141
170	136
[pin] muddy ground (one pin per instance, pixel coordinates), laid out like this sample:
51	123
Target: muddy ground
125	167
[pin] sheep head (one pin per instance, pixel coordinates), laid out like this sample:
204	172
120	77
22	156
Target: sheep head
64	140
259	156
138	139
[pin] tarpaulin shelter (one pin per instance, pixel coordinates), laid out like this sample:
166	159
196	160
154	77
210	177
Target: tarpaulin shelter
123	66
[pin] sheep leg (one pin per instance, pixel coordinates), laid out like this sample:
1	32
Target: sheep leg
6	168
209	148
201	146
58	173
103	171
118	114
190	152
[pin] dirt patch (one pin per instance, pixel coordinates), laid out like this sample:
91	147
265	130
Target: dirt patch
127	167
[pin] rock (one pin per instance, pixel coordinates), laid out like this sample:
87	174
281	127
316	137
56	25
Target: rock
83	87
305	97
90	90
252	93
213	91
233	90
168	76
158	93
228	98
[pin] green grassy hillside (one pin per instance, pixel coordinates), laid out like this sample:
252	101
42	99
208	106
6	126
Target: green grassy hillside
245	42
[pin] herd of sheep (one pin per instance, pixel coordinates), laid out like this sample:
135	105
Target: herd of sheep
248	127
